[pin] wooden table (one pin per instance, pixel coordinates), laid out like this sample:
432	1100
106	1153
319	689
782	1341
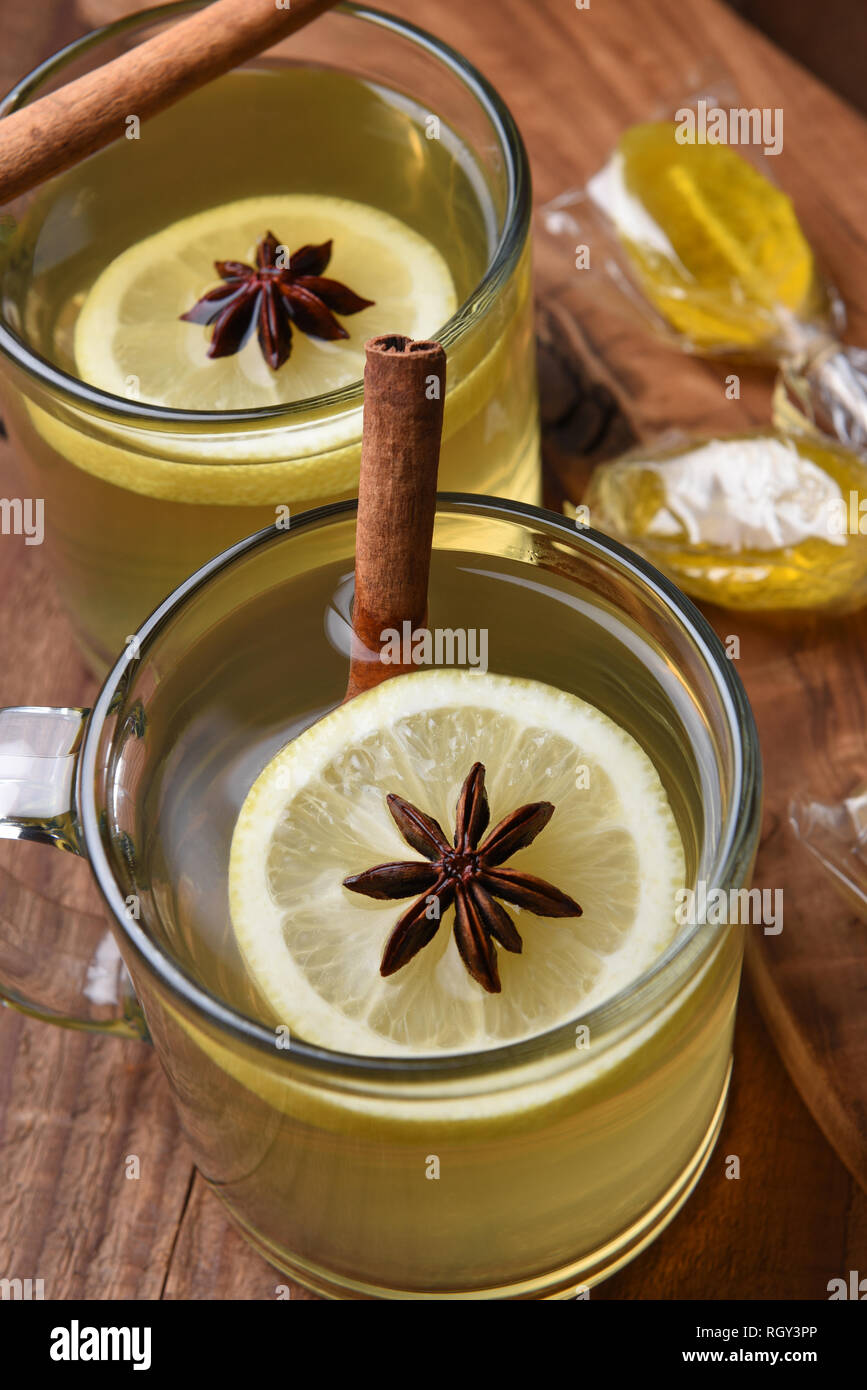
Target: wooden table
73	1106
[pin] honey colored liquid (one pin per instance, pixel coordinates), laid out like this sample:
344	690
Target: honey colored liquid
129	510
545	1181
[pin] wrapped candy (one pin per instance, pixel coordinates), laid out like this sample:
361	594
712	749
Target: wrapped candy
760	521
710	252
835	834
715	248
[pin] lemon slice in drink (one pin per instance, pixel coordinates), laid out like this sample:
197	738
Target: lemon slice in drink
129	329
318	813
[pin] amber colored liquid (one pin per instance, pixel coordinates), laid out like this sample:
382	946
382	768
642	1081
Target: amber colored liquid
124	527
544	1181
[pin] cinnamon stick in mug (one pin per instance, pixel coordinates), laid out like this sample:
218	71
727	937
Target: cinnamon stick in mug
53	133
404	392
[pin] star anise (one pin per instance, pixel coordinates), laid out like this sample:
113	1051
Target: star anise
272	296
467	874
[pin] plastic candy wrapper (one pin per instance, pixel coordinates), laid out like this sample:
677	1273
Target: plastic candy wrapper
836	835
825	393
760	521
696	237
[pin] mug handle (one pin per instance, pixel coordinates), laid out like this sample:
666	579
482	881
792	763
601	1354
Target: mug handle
39	747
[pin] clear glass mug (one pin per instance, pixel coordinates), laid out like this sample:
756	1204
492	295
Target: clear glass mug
558	1161
137	496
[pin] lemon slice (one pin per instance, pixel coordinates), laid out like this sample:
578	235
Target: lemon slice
129	336
318	813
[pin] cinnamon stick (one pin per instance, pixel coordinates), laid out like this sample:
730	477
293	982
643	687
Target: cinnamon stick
59	129
404	390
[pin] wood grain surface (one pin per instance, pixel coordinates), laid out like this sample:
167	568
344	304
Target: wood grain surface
74	1106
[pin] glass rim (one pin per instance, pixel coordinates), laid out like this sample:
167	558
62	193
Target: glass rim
733	854
502	259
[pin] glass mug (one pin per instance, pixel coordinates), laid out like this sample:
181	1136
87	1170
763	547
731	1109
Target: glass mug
137	496
558	1162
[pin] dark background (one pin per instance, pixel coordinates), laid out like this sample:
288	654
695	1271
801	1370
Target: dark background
828	36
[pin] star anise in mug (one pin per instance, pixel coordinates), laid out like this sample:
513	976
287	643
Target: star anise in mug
466	873
272	297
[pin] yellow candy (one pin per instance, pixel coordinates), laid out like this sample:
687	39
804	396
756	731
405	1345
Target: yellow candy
761	521
714	246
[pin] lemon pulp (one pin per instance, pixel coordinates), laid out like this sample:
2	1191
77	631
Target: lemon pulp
130	340
318	813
